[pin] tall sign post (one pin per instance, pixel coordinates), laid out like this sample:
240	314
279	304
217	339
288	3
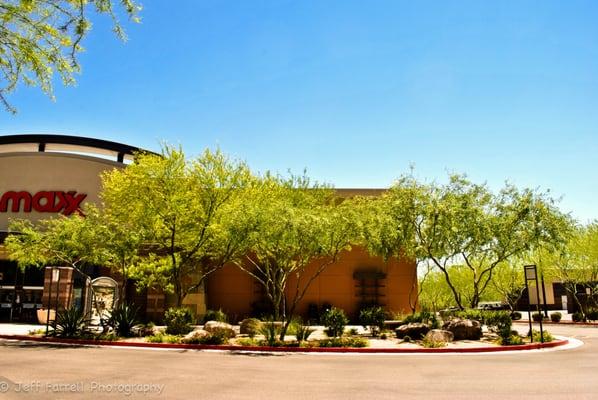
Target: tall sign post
531	274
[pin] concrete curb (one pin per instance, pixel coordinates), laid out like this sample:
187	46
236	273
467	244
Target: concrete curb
571	323
265	349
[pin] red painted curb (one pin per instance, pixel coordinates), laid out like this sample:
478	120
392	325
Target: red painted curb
487	349
525	321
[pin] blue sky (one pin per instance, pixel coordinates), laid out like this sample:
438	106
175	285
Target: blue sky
354	91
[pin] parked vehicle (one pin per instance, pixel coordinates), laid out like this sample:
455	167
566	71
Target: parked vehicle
492	305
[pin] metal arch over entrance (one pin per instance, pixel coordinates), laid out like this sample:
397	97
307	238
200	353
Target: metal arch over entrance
65	143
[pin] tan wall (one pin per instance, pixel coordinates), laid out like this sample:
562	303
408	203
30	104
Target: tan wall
234	291
34	172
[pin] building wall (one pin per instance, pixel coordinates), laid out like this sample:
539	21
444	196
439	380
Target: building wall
237	293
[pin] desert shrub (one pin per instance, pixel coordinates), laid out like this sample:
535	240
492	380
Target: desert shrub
145	329
578	316
352	332
219	336
334	320
250	327
178	321
373	318
592	314
476	315
512	340
500	321
384	336
425	317
556	317
163	338
270	330
123	319
537	316
71	322
515	315
215	315
432	344
302	332
343	342
537	337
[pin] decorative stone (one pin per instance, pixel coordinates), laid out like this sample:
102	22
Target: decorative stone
216	326
415	330
439	335
464	329
195	335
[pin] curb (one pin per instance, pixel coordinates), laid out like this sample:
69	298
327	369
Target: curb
266	349
525	321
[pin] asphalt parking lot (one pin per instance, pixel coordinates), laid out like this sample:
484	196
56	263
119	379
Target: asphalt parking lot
58	372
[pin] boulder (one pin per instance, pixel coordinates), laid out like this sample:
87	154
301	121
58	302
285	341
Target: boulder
439	335
464	329
415	330
220	328
195	336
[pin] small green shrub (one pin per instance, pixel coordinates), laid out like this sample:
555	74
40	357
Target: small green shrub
578	316
592	314
334	320
271	331
215	315
71	322
247	342
373	318
537	337
250	327
515	315
343	342
352	332
163	338
537	316
178	321
432	344
123	319
425	317
302	332
556	317
512	340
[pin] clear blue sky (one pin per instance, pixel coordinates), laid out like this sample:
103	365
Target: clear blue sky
354	91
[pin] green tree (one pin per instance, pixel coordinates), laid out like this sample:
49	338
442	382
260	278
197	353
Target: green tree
39	38
300	229
462	223
187	213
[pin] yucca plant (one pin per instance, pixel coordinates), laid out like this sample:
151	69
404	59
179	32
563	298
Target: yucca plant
70	322
123	319
302	332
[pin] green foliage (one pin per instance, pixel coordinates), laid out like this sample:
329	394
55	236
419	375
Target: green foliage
161	337
71	322
592	314
537	337
191	215
511	340
247	342
352	332
123	319
515	315
578	316
270	330
343	342
373	318
215	315
425	317
216	337
537	316
556	317
432	344
334	320
178	321
302	332
41	38
250	327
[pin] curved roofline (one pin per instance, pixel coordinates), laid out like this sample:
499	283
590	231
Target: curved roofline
42	140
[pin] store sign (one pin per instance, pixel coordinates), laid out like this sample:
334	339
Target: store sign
43	202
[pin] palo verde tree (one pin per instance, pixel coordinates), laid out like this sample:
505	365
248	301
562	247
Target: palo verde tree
185	210
299	229
465	223
41	38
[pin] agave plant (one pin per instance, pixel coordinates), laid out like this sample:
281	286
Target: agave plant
123	319
71	322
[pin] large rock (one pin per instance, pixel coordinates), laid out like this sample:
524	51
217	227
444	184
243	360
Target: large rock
195	336
415	330
464	329
216	327
439	335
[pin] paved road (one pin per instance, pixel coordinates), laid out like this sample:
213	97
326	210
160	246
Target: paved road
106	373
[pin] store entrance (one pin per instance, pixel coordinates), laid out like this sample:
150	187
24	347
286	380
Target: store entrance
20	292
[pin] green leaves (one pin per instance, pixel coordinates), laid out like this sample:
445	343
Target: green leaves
41	38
